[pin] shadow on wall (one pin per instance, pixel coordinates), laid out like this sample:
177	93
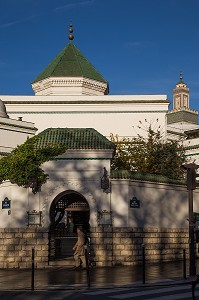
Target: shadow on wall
113	242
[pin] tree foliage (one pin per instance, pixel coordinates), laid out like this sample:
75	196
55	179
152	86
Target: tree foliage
23	165
153	155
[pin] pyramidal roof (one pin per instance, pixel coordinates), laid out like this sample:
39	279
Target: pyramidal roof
70	62
181	82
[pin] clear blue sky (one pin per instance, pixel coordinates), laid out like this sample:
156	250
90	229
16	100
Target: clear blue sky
139	46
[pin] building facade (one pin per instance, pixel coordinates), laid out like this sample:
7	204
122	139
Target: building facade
70	92
120	210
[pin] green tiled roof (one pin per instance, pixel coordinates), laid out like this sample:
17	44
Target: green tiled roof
181	82
125	174
70	62
74	138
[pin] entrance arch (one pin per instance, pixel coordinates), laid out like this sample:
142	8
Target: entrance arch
68	210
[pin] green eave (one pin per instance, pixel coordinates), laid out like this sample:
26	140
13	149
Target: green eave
192	147
176	133
4	154
70	62
125	174
74	138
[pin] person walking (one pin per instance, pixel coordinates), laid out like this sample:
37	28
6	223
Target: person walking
79	250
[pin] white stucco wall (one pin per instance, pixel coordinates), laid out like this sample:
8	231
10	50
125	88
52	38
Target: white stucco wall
117	114
82	175
16	215
14	133
161	205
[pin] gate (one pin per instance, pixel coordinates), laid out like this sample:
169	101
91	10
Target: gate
68	211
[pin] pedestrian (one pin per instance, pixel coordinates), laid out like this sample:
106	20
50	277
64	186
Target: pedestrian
79	250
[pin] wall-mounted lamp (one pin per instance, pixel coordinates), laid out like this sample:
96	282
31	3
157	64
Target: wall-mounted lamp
105	182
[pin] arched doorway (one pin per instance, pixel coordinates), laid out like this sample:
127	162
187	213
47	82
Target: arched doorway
68	210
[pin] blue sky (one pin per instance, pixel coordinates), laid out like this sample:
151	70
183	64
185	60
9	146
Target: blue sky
139	46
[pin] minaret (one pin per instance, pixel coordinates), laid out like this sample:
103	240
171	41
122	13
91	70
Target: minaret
181	95
181	112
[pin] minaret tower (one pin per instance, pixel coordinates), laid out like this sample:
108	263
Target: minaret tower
181	113
181	95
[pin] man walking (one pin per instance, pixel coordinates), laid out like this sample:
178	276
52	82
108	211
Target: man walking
79	254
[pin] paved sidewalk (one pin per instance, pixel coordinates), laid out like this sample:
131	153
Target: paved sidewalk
67	278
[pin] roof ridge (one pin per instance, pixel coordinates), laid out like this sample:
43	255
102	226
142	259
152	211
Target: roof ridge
59	56
76	55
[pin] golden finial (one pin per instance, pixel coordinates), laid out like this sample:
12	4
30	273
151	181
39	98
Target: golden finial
71	36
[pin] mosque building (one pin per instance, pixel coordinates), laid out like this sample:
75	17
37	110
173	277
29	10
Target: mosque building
120	210
70	92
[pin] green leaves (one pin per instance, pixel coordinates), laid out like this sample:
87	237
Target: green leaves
22	165
153	155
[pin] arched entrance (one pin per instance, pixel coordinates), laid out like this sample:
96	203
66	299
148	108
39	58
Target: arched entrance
68	210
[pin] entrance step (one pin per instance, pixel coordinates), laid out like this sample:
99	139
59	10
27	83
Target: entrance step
62	262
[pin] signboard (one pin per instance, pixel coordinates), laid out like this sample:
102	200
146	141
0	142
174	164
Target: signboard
34	217
134	203
6	203
104	217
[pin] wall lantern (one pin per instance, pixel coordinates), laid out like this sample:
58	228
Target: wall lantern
105	182
34	217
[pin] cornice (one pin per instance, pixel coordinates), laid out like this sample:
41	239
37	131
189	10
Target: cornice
15	130
187	110
86	112
62	83
192	154
80	158
192	147
124	174
4	153
87	102
176	133
19	126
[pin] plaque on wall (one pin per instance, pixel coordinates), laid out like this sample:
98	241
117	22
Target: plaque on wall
6	203
34	217
134	203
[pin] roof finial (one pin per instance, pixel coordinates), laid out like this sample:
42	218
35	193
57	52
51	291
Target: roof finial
180	75
71	36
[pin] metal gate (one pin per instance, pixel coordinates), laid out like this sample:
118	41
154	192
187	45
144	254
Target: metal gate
66	213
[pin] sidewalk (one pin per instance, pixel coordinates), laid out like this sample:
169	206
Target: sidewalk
100	277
